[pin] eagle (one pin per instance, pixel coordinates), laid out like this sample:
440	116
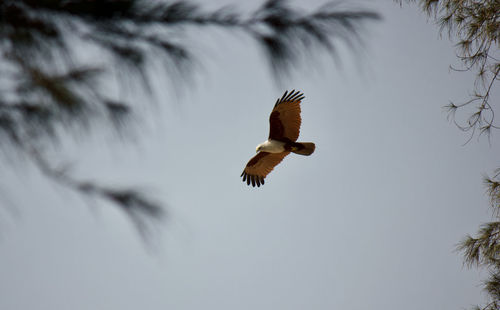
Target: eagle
284	131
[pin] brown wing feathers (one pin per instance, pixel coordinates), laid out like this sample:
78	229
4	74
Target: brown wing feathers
260	166
285	118
250	172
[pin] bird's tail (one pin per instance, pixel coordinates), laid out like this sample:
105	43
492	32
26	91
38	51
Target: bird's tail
303	148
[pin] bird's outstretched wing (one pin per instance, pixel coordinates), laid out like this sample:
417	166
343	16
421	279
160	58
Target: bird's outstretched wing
285	118
260	166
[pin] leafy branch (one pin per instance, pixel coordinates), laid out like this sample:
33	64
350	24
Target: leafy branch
50	87
140	209
475	26
484	249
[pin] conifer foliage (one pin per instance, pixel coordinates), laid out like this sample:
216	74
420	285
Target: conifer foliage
474	25
50	87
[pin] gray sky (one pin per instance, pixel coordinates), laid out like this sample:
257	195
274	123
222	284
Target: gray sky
369	221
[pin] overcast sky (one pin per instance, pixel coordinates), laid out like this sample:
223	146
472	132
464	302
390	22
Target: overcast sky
369	221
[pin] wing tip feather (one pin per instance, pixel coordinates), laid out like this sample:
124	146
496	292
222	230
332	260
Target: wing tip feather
252	179
290	96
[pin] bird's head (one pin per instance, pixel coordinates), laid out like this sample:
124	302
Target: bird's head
259	147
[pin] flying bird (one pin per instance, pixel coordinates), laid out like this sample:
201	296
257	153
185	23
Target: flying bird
284	131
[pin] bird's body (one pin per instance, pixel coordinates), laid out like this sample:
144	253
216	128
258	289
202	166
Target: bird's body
284	131
271	146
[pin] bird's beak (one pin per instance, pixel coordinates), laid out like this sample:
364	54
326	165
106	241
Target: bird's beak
256	150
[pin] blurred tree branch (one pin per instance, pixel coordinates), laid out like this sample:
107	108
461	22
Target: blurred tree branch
49	88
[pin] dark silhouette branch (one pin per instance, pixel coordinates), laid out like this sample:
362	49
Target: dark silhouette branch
140	209
51	88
